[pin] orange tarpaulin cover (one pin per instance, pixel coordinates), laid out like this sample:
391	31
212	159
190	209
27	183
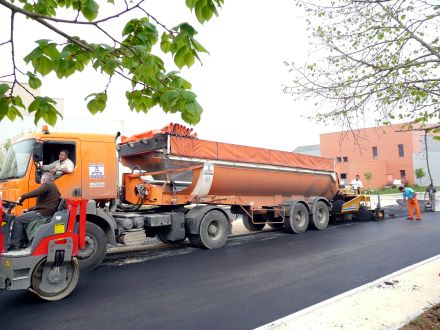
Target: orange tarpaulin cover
195	148
174	129
184	143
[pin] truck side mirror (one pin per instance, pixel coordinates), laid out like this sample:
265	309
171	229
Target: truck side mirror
37	152
37	156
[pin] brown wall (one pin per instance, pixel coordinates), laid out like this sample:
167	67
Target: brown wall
357	147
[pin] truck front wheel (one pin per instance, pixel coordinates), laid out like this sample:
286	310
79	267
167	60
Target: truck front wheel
96	247
213	231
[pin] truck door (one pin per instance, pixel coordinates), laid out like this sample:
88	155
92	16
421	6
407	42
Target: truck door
99	168
66	183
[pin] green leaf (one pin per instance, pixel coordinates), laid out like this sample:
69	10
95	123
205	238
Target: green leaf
192	113
50	117
3	89
34	82
187	28
207	13
179	58
16	100
165	44
199	13
98	103
129	27
190	3
170	100
44	108
13	113
43	65
33	55
89	9
189	59
4	106
35	105
198	46
51	51
42	42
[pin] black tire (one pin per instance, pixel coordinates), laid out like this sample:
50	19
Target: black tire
71	281
321	216
276	225
195	241
96	247
161	237
213	231
337	206
364	215
249	225
298	219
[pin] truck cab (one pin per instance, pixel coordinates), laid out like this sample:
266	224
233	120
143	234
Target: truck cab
94	178
94	175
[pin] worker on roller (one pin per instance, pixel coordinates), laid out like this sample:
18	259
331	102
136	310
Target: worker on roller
356	183
410	198
25	225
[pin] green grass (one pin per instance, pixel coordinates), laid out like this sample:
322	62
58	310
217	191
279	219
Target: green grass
418	321
389	190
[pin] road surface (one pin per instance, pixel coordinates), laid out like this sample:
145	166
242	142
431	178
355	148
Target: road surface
251	281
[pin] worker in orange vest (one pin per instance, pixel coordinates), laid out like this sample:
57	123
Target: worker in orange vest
411	196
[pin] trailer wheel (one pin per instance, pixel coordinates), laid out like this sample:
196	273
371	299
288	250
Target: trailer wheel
213	231
320	216
96	247
298	221
57	291
249	225
276	225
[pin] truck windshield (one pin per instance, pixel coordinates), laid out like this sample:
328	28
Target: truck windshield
17	160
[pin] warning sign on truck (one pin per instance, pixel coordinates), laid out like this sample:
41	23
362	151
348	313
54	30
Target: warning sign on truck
96	171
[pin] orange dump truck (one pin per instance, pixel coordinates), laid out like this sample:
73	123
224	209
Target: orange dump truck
176	186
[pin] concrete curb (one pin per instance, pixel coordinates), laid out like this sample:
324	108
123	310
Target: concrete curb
415	288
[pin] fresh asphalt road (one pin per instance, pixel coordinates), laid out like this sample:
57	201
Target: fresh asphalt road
251	281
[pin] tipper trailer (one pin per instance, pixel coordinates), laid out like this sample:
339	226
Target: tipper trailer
176	186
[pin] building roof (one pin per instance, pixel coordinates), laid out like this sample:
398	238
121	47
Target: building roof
311	149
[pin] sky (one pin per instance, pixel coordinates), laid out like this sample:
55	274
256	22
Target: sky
239	84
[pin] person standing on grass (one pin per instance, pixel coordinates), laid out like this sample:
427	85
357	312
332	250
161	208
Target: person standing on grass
410	195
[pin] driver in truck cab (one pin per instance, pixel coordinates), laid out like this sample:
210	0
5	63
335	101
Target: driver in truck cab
61	166
25	225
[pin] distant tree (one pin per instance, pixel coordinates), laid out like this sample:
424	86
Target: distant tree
7	144
373	59
2	157
420	174
368	176
129	57
3	149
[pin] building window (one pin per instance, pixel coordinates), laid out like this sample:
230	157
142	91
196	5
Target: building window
401	151
374	152
402	174
345	159
343	176
339	159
